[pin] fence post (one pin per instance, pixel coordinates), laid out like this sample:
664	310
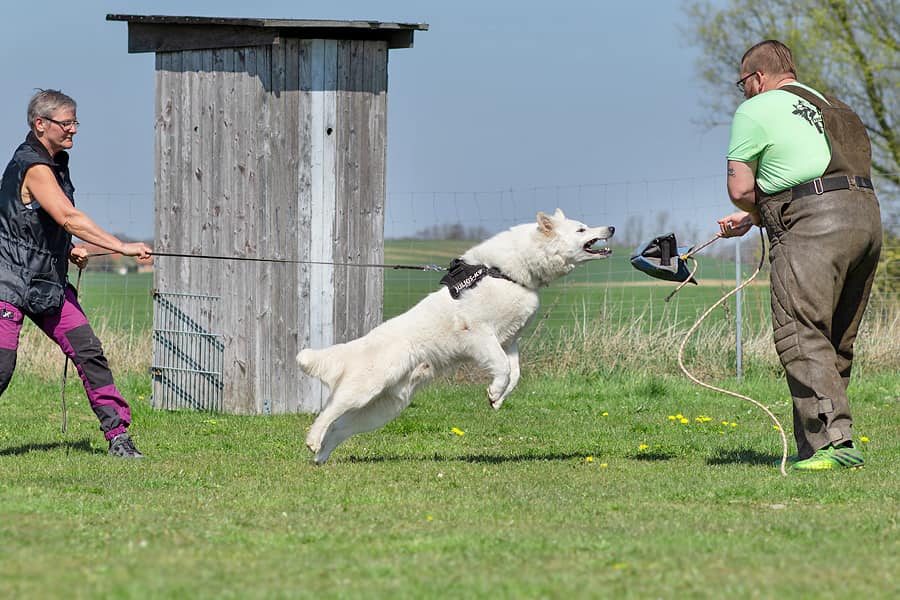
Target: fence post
737	312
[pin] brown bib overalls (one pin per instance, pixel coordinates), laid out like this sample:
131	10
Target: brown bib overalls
824	249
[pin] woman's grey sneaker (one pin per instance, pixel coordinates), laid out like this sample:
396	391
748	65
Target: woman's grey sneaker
121	445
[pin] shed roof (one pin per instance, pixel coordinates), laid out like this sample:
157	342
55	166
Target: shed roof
162	33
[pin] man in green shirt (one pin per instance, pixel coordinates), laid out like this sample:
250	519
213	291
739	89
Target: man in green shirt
799	165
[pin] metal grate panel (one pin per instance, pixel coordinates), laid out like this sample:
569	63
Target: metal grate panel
188	357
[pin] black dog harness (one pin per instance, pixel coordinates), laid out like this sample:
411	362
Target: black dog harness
461	276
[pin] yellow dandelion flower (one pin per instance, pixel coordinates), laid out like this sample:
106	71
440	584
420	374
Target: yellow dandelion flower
605	414
458	431
671	417
864	439
776	427
604	465
684	420
643	447
679	416
734	424
589	459
725	423
429	518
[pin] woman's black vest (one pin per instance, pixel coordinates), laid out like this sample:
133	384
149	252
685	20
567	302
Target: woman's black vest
34	249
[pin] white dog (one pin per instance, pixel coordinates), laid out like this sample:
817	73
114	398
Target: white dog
491	294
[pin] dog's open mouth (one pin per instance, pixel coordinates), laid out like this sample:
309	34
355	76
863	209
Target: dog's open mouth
597	246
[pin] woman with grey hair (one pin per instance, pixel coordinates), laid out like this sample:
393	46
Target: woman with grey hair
38	219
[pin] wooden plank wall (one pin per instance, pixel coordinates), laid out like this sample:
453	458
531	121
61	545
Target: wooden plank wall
361	149
273	152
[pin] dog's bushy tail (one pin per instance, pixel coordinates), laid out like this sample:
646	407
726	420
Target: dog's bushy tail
318	363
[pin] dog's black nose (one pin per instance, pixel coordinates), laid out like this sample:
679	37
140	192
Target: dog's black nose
612	230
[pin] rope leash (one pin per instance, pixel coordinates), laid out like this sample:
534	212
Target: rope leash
690	254
784	444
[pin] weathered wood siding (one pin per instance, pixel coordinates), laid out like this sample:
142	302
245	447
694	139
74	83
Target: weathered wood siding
274	152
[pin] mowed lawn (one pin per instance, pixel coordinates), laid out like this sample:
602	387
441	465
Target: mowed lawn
579	487
590	482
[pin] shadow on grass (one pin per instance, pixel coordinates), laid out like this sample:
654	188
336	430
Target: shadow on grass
651	456
83	445
478	458
501	459
744	456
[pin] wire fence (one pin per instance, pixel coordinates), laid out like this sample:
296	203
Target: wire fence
435	227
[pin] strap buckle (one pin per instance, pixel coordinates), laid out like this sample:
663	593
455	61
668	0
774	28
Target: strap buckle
818	186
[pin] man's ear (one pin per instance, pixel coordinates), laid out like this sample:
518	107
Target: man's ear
545	223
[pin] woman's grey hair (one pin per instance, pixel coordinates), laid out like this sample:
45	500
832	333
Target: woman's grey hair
46	102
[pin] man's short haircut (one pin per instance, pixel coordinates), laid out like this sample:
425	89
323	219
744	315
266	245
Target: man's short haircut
46	102
770	57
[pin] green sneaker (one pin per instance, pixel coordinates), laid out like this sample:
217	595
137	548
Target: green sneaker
830	457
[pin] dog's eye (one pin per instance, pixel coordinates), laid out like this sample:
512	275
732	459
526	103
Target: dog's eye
580	230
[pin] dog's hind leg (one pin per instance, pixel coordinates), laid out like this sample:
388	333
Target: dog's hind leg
344	398
378	411
336	432
358	420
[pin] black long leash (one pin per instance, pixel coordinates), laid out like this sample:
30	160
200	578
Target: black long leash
287	261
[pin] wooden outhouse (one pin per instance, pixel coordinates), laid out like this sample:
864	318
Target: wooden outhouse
270	146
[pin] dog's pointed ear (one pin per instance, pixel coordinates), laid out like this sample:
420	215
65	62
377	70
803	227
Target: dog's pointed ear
559	214
545	223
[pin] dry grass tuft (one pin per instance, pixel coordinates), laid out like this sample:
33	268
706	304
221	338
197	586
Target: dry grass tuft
601	346
128	351
590	346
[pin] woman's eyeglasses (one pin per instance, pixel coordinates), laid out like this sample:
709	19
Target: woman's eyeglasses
66	125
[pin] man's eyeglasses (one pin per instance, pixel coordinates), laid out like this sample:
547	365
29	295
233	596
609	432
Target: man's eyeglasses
67	125
741	84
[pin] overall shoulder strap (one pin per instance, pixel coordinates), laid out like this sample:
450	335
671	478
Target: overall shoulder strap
851	150
807	95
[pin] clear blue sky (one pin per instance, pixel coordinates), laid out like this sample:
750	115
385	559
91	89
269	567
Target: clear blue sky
588	105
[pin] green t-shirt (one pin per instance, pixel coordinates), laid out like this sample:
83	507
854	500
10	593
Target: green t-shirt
784	135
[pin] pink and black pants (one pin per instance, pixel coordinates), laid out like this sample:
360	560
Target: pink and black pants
71	331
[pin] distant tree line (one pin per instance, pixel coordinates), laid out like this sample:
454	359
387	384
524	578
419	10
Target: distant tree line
455	231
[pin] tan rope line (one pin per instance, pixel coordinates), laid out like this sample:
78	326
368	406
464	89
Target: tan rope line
784	444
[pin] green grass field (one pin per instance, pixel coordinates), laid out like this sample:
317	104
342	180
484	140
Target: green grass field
578	487
606	474
122	301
